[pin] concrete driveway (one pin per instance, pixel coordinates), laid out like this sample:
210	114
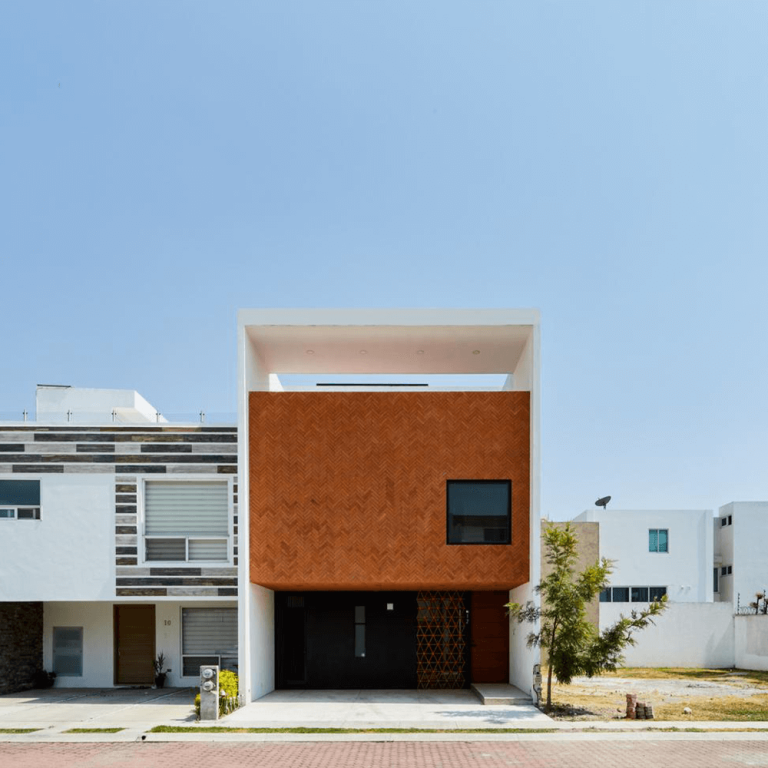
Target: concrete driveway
382	709
62	708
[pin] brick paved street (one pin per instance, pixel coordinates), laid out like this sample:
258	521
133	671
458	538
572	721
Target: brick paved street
731	750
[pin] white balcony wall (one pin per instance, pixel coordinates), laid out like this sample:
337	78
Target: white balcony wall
69	554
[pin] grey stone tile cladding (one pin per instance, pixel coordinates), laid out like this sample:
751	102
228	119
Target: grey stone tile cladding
133	452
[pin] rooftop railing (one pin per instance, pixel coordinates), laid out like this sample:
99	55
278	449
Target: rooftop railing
85	418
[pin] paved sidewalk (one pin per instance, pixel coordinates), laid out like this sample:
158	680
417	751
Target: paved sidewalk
137	711
695	751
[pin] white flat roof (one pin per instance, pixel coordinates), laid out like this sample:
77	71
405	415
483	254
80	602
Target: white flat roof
425	341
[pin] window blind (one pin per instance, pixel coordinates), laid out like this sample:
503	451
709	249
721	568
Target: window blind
209	631
186	508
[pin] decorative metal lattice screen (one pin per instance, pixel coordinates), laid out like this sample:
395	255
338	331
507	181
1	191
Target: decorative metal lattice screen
440	643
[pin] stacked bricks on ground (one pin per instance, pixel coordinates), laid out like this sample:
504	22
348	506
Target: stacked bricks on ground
21	645
130	453
638	710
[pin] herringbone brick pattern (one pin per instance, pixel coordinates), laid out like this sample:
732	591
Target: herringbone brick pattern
348	490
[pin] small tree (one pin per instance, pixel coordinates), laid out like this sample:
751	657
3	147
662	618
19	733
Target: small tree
573	644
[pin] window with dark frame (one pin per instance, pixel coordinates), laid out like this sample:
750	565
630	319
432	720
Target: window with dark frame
632	594
639	594
620	595
19	499
479	511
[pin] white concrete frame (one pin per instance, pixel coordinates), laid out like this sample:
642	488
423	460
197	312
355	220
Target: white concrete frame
377	341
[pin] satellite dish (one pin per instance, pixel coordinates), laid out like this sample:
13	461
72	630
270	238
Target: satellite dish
603	502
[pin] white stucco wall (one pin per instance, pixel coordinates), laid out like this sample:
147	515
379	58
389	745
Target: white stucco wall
97	621
522	658
98	641
527	376
685	570
252	376
69	554
751	642
685	635
262	647
749	532
59	405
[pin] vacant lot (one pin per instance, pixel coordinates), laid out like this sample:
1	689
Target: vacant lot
711	694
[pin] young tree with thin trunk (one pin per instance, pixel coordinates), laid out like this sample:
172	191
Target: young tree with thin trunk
573	645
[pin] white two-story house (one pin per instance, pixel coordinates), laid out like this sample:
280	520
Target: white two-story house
119	534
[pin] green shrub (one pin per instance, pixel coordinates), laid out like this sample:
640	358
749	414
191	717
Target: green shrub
228	682
229	685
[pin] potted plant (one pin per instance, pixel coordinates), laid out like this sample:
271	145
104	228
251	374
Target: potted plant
160	672
43	679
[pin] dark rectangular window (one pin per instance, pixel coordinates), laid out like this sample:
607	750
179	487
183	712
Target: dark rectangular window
656	593
715	581
730	570
723	521
639	594
605	595
20	499
621	594
19	493
479	511
360	631
723	571
730	519
658	540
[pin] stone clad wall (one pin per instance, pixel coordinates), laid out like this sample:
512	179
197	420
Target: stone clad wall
131	452
21	645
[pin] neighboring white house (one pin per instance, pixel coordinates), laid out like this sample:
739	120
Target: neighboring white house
708	566
656	552
119	542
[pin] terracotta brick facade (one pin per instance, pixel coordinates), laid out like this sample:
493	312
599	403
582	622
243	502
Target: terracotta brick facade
348	490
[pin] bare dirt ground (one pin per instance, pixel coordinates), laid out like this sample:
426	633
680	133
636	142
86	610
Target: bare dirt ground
710	694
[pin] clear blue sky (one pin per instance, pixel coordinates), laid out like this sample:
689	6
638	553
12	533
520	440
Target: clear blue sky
163	164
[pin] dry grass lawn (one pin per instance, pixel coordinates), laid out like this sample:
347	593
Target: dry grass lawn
711	694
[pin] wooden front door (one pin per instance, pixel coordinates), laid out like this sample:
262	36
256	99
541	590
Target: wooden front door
134	644
489	627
